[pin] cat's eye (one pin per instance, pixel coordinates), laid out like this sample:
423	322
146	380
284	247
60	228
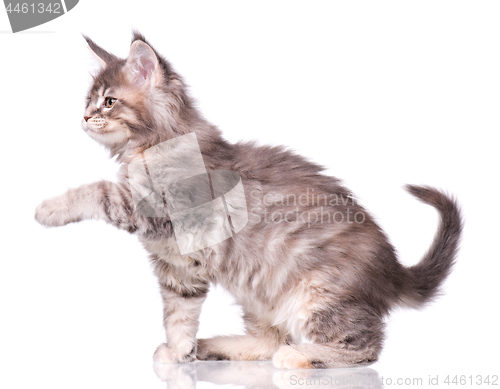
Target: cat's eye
109	102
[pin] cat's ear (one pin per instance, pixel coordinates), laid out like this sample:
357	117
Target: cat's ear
102	56
143	66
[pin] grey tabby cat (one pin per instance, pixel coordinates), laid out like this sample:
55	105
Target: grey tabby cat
314	292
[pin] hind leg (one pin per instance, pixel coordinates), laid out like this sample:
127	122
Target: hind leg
260	343
340	337
236	348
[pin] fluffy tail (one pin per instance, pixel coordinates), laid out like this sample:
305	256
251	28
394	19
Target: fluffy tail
429	273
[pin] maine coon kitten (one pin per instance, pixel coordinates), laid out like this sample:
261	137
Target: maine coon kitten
314	292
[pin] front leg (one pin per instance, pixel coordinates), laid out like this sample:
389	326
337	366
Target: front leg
181	312
102	200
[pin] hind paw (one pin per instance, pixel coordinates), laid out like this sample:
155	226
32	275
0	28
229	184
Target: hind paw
288	357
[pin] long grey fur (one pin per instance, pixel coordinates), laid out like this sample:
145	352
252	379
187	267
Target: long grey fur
314	295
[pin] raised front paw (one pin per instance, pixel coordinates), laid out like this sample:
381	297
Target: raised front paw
164	354
54	212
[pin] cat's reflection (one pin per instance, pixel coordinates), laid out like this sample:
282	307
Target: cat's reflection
263	375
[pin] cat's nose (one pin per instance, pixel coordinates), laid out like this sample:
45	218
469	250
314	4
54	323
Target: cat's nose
86	117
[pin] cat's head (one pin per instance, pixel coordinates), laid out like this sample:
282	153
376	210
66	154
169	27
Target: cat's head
137	101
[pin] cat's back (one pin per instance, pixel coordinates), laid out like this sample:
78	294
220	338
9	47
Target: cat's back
279	166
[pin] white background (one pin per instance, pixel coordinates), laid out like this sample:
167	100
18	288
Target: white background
381	93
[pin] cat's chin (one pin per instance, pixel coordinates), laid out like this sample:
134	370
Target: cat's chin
110	137
95	134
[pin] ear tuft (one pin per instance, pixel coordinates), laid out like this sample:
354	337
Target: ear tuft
137	36
103	56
